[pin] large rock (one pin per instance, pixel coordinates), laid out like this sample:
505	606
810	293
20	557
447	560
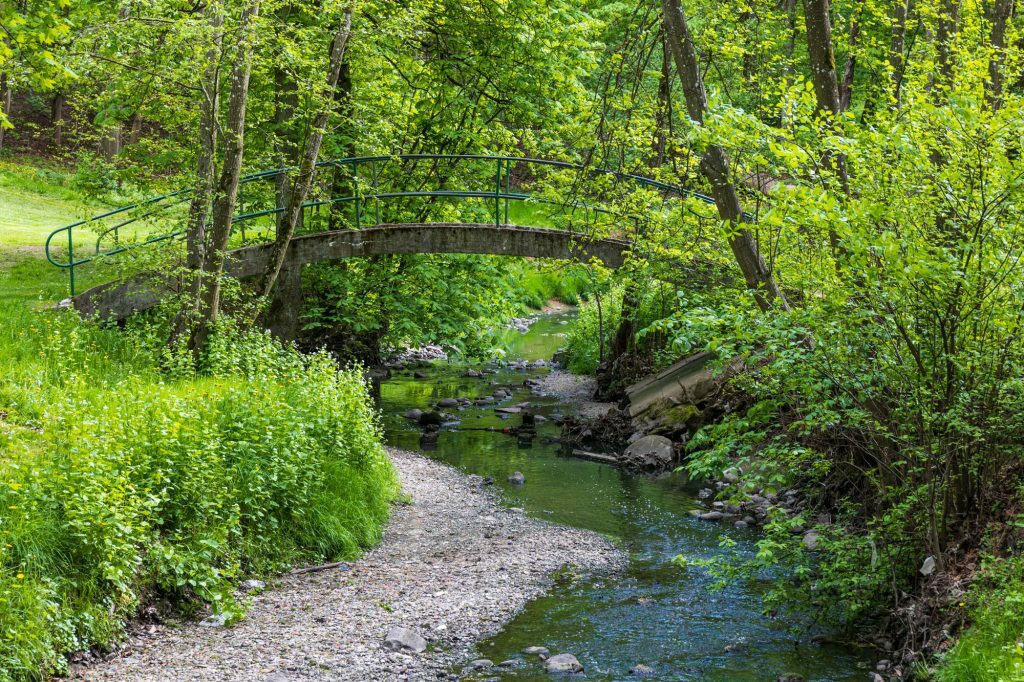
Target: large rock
399	638
563	663
650	453
516	478
431	418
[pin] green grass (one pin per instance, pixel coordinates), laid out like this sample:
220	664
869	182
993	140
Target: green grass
126	477
992	648
35	201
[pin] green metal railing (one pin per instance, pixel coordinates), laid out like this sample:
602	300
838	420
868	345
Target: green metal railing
501	193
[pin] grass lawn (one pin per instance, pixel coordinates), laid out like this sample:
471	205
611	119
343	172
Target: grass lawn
34	202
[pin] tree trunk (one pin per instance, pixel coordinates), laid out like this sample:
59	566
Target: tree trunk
1001	13
846	86
307	167
897	44
227	188
285	148
5	105
110	143
206	171
945	33
339	185
822	58
715	164
134	128
663	112
57	119
823	76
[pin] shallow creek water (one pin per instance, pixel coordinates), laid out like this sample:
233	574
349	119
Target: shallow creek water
655	612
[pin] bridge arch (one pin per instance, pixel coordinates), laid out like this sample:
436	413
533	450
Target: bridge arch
489	182
119	300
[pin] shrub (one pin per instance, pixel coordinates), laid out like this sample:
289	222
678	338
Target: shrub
118	484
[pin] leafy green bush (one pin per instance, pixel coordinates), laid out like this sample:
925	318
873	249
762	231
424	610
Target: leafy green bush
586	343
118	485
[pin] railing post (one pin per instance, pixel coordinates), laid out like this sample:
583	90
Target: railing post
376	201
71	263
355	183
497	196
508	186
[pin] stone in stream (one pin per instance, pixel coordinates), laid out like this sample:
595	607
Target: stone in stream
516	478
641	670
253	585
399	638
711	516
431	418
481	664
563	663
448	402
536	651
413	414
420	375
473	374
810	541
650	452
214	621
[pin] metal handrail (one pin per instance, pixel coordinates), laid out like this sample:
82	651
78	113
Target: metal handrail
499	195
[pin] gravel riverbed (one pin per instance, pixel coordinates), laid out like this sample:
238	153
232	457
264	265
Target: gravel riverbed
454	566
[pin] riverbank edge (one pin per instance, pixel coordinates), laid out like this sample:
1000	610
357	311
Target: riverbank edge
332	624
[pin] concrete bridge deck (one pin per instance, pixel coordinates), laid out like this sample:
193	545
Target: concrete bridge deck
118	300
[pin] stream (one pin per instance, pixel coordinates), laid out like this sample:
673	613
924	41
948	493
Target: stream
655	612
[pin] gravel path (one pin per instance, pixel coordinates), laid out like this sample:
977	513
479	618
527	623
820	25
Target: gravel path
453	566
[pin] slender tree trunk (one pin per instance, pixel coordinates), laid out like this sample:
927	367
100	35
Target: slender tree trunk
945	34
343	101
285	147
206	171
715	164
663	111
897	45
134	128
5	104
57	119
307	167
227	188
110	143
846	85
822	58
824	77
1001	13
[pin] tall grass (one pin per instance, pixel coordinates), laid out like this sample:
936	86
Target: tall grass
121	482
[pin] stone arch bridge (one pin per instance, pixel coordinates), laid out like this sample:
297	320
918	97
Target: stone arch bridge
354	218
